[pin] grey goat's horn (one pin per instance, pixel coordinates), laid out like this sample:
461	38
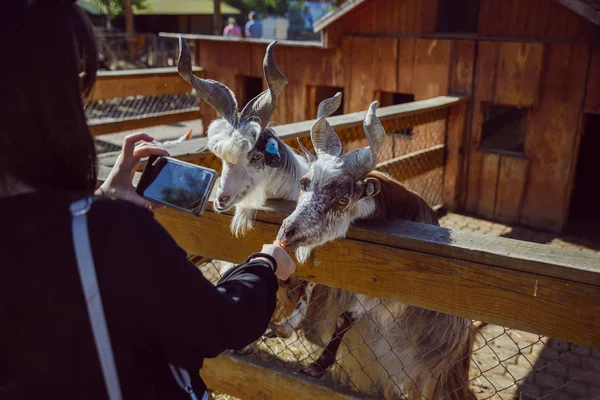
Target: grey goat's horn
322	135
309	156
217	95
362	161
263	106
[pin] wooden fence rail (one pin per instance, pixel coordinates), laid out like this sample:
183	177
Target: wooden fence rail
140	82
429	157
527	286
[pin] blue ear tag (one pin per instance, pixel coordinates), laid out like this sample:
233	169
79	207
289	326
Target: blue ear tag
272	156
272	146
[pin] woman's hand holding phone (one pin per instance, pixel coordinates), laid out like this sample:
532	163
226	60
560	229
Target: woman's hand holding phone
119	184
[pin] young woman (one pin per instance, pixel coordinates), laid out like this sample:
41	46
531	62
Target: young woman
159	308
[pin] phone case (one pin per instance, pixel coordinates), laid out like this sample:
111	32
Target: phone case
142	184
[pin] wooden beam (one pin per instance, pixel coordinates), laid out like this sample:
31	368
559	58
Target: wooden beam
454	178
525	293
221	38
237	376
217	23
585	10
191	151
147	82
113	125
333	16
289	132
527	286
129	28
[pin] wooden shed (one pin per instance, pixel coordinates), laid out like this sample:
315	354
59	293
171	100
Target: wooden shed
530	67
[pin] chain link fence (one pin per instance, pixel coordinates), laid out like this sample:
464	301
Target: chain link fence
504	363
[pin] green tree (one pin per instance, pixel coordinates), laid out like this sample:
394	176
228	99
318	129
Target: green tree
114	8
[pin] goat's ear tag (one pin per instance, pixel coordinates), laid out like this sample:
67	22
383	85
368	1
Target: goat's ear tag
272	156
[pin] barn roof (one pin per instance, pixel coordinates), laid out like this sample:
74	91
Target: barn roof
336	14
589	9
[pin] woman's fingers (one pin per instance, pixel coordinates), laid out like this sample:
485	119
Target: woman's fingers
129	144
147	150
142	202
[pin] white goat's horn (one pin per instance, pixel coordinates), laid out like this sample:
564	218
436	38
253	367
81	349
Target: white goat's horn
309	156
362	161
217	95
322	135
263	106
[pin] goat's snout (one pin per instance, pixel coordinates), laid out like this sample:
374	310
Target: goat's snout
288	234
223	199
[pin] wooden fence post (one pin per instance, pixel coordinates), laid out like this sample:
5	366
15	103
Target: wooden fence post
454	180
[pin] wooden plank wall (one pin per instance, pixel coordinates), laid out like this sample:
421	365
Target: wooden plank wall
549	80
362	66
545	19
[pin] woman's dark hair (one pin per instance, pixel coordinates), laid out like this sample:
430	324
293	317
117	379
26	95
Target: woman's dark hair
49	62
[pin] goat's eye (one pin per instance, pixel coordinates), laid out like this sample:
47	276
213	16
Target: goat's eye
343	201
304	183
257	156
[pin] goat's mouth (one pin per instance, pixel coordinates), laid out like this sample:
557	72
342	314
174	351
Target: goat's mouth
223	207
291	245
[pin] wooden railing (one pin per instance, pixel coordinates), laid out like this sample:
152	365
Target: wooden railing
140	82
438	114
527	286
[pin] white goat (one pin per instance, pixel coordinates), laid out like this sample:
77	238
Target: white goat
419	352
251	175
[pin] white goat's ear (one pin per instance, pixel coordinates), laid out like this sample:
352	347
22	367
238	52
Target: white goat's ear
371	187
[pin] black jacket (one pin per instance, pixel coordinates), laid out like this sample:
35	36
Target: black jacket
159	307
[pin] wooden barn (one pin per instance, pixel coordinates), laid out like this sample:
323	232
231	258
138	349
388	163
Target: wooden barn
530	68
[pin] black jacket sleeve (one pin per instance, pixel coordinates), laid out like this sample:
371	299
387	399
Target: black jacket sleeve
185	316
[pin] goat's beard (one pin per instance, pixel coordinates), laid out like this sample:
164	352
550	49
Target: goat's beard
303	253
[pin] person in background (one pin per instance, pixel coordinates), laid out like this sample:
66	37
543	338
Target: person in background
232	30
253	26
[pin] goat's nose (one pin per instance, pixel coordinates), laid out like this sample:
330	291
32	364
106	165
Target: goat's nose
290	232
224	198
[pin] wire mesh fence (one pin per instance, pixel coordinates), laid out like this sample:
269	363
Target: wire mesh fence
137	106
407	135
381	357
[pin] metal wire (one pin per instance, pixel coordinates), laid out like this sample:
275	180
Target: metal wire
504	363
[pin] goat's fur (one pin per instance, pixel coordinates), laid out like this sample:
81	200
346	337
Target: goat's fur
405	349
229	143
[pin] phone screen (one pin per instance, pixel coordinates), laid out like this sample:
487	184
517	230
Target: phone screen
177	184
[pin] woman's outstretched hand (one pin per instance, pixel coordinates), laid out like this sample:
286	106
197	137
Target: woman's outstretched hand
285	265
119	184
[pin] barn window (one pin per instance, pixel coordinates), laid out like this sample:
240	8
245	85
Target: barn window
316	94
458	16
504	129
394	98
250	87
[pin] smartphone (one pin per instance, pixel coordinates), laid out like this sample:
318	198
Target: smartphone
177	184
